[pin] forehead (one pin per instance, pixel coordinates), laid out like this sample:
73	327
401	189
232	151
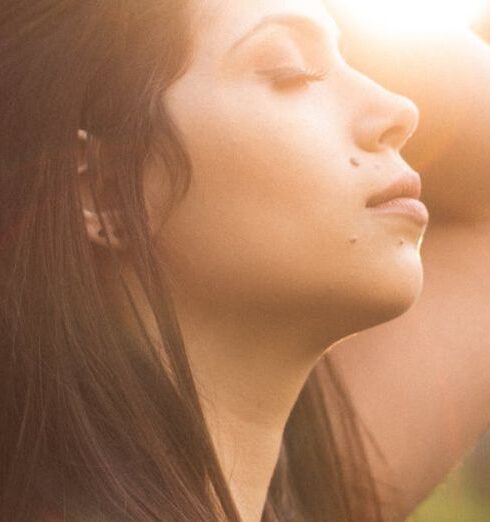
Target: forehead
219	23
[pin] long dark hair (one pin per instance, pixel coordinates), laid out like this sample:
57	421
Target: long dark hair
93	425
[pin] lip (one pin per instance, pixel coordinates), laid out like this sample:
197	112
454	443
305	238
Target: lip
402	197
408	207
408	185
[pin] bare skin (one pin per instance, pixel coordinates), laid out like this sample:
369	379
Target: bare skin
274	254
421	382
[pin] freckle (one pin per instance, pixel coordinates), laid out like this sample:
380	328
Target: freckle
353	240
402	242
355	162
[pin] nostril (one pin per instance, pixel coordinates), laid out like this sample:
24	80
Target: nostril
387	124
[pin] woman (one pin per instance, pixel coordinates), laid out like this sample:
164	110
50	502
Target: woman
196	200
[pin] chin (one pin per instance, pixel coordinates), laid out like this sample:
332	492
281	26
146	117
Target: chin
400	292
391	294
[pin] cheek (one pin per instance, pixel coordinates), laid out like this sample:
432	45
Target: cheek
276	209
278	156
266	172
261	228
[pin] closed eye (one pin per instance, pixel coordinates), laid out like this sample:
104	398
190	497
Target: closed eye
284	78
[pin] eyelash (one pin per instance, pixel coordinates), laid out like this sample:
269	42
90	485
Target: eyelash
284	78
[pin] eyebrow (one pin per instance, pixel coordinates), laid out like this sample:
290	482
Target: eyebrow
303	23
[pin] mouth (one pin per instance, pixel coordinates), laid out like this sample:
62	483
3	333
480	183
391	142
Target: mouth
402	197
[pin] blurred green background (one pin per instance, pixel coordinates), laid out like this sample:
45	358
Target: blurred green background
465	497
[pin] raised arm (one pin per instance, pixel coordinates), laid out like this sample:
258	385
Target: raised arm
448	76
422	383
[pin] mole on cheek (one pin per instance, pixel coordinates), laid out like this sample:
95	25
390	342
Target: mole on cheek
355	162
353	240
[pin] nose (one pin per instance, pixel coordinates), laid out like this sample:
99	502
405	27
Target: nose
388	120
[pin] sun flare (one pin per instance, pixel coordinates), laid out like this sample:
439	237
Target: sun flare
414	16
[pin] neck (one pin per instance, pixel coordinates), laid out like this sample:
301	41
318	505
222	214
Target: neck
249	367
249	377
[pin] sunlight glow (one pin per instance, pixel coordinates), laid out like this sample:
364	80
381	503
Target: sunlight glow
414	16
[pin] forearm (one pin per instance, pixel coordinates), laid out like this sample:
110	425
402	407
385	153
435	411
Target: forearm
422	383
448	77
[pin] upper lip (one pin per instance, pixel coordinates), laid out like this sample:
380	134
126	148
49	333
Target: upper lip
406	186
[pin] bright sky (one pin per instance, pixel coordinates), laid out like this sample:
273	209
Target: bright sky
414	16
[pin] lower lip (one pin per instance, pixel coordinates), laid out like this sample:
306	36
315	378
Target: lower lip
408	207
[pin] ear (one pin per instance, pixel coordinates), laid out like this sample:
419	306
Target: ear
100	227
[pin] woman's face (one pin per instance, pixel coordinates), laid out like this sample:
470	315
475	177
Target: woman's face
289	146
